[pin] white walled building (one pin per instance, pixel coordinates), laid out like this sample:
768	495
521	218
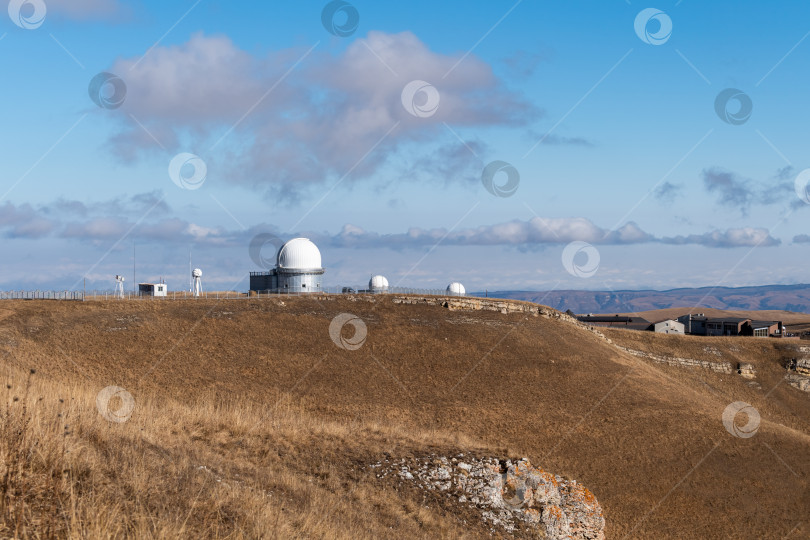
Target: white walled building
670	326
298	270
152	289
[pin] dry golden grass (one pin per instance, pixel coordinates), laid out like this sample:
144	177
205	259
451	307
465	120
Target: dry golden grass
211	468
250	423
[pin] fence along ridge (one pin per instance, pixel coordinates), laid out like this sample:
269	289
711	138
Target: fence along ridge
179	295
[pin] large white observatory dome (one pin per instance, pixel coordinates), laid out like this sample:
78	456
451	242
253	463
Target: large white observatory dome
378	283
456	289
299	254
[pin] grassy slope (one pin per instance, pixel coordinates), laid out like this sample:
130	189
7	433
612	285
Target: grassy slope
298	416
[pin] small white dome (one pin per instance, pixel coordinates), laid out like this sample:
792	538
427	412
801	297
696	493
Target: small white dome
378	283
196	273
456	289
299	254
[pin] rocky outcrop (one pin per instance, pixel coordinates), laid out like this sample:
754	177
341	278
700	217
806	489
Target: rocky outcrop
509	494
798	372
719	367
469	303
746	370
803	367
799	382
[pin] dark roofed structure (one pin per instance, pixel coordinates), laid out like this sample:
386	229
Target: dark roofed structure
616	321
725	326
763	329
694	323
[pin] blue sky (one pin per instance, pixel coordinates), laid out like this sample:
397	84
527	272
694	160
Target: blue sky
617	142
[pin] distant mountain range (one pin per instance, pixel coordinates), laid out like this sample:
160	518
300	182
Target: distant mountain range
767	297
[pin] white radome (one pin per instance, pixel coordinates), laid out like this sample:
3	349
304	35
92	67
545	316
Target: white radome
456	289
378	283
196	273
299	254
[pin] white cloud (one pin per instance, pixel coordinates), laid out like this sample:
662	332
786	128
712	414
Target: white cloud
96	229
321	120
192	85
199	232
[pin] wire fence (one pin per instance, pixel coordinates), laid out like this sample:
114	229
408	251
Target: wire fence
169	295
41	295
352	290
100	295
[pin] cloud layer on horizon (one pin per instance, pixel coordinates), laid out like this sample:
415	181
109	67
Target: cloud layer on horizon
550	231
148	217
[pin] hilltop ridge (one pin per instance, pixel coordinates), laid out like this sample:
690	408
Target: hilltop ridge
433	375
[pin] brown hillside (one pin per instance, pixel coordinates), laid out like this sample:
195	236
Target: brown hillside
256	389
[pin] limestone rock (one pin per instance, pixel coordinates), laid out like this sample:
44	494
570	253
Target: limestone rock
748	371
511	493
506	307
799	382
719	367
798	372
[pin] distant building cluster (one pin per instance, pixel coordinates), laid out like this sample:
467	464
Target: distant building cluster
694	324
299	270
702	325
